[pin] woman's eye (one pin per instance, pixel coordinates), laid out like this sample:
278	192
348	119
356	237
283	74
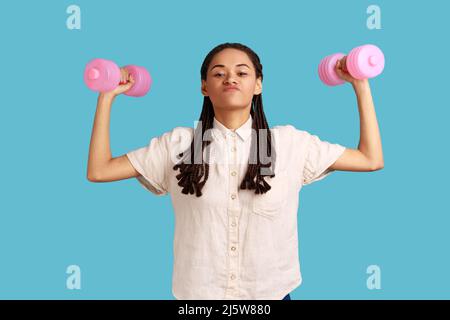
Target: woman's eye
220	74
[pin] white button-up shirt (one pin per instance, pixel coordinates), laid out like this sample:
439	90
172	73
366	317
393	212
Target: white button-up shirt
231	243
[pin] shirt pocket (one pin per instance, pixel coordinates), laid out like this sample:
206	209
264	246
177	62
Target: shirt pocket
270	203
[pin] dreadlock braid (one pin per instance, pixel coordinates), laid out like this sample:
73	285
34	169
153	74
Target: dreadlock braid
192	171
254	170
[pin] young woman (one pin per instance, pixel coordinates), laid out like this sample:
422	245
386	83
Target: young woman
234	182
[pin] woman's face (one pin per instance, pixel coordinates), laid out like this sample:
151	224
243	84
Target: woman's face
231	68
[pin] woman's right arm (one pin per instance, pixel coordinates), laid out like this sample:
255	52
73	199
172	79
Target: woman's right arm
102	167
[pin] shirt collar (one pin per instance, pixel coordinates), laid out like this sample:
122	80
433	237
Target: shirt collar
243	132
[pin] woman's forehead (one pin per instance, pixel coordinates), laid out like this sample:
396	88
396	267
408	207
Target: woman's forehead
231	58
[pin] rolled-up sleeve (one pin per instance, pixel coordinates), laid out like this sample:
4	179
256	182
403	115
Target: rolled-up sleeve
320	155
152	162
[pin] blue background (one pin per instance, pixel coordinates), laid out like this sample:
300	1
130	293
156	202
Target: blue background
121	235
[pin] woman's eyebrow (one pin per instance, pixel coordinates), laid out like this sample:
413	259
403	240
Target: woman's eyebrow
238	65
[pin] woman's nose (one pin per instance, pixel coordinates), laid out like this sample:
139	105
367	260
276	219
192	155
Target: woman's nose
229	79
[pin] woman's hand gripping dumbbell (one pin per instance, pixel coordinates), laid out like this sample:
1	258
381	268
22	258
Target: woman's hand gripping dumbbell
362	62
105	76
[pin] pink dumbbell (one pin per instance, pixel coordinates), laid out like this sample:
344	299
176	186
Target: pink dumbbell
104	75
362	62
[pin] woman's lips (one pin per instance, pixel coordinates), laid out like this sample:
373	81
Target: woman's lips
230	89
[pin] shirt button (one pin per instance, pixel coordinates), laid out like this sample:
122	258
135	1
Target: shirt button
233	173
233	196
233	277
233	149
233	224
233	248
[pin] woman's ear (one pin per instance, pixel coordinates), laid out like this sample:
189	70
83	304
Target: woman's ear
203	88
258	86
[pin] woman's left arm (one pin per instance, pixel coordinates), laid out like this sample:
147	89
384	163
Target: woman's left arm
369	155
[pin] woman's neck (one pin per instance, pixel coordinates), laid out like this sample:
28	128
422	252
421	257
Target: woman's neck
232	120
